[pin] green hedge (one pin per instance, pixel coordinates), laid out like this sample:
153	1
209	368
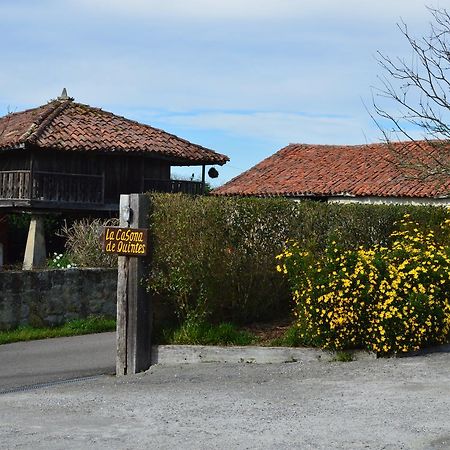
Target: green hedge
214	257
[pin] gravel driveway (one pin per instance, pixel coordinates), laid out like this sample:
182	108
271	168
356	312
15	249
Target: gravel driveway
376	404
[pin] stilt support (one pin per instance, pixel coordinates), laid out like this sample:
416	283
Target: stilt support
35	253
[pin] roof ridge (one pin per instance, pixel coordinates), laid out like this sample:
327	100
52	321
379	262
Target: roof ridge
364	145
38	127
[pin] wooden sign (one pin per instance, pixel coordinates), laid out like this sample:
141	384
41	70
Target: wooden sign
125	241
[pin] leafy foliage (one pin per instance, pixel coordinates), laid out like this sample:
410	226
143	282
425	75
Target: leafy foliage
214	257
387	299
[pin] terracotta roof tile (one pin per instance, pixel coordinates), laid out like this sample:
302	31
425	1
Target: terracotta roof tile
67	125
330	170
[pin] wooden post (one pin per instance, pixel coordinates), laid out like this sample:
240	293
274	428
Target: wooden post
134	312
203	179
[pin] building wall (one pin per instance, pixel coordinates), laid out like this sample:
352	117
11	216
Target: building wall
15	160
379	200
124	174
67	162
52	297
392	201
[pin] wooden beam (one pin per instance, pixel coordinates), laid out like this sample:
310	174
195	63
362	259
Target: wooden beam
31	188
122	316
203	179
134	308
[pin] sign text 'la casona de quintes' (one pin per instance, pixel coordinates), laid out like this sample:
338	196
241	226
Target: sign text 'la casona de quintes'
125	241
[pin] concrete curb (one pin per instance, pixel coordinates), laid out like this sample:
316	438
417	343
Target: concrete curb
193	354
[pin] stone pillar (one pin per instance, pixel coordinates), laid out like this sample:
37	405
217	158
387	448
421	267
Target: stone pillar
35	253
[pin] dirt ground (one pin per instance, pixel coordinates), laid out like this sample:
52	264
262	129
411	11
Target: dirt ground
268	332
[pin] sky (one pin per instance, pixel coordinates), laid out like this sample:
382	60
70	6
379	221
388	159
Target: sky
242	77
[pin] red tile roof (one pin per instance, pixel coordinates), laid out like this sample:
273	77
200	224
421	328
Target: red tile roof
300	170
63	124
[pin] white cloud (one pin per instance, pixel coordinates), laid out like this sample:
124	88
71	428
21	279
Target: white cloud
253	10
314	56
275	126
299	66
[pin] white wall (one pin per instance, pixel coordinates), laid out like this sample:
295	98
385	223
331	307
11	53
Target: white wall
392	201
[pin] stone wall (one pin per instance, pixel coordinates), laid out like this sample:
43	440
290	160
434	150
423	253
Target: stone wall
52	297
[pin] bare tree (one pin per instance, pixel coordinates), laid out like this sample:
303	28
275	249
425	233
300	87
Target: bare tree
414	99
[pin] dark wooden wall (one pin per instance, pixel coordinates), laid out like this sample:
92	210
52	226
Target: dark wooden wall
156	169
15	160
67	162
123	173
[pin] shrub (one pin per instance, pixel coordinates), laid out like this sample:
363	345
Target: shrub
387	299
83	243
213	256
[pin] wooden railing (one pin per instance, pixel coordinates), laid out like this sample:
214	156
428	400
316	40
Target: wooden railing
51	187
174	186
15	185
75	188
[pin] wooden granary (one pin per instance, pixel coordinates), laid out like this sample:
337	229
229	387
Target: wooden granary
69	157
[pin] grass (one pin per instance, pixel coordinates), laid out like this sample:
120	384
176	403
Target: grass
72	328
191	332
195	332
203	333
291	338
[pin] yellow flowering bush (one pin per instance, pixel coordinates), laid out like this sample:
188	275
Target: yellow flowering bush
385	299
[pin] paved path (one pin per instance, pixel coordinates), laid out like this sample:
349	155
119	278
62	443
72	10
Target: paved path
372	404
34	362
